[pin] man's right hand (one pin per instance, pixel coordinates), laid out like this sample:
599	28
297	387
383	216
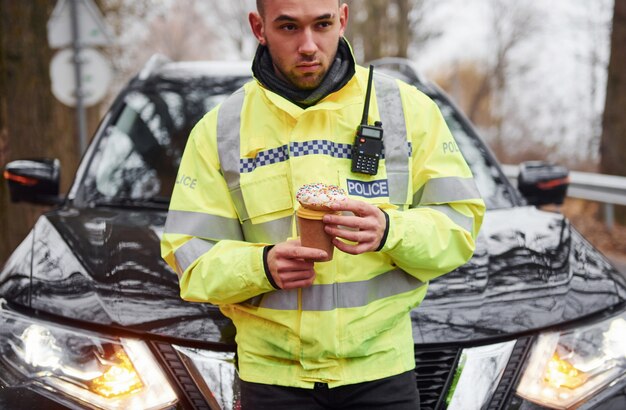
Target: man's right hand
291	264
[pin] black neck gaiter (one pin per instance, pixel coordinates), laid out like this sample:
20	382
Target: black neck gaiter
340	72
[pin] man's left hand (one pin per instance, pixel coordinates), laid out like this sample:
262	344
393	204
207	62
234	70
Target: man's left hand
365	228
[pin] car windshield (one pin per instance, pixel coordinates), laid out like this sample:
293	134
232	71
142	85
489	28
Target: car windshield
137	157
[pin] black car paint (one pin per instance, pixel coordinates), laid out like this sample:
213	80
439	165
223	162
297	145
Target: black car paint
99	266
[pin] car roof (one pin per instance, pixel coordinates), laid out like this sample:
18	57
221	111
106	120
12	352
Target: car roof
160	66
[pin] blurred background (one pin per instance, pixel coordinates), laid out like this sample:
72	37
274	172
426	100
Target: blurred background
541	80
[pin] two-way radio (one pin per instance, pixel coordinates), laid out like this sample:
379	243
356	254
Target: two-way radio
368	144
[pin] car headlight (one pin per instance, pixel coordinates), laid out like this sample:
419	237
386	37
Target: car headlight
567	367
92	368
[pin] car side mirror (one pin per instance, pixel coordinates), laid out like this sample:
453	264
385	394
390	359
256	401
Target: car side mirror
543	183
34	180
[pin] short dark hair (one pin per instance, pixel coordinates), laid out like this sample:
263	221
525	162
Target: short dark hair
260	6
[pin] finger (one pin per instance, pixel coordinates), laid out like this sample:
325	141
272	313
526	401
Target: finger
344	220
355	223
297	276
302	252
350	235
291	265
352	205
352	249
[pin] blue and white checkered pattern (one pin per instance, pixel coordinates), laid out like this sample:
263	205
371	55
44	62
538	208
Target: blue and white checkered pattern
299	149
271	156
320	147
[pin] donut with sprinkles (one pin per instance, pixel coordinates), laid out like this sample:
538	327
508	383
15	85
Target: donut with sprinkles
319	196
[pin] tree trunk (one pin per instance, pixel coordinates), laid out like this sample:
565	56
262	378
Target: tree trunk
403	28
613	141
373	30
384	28
32	122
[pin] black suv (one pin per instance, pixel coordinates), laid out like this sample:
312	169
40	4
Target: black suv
90	315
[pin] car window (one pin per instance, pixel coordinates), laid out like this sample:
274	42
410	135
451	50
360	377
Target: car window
486	175
139	153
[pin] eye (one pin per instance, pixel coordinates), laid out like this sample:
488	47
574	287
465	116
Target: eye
325	24
288	27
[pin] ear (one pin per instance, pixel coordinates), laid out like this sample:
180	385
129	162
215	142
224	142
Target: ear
256	24
343	18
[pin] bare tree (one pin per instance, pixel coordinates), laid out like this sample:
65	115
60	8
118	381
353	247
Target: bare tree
512	24
180	33
597	65
126	19
613	141
230	20
383	28
177	29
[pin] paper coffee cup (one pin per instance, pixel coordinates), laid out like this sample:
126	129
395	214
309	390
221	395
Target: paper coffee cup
312	233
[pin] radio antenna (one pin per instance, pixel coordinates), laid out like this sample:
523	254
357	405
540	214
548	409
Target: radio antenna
368	94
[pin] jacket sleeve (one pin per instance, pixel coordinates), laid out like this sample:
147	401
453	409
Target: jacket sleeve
437	233
202	239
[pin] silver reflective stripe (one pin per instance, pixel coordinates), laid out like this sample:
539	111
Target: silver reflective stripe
202	225
446	189
278	230
343	295
397	155
228	127
191	251
458	218
396	180
240	204
279	300
228	145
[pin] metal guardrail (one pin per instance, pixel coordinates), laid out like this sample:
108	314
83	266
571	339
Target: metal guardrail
608	189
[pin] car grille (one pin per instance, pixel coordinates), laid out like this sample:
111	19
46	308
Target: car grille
511	374
434	371
192	397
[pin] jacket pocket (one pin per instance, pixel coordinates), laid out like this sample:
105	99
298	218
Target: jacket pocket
266	196
265	209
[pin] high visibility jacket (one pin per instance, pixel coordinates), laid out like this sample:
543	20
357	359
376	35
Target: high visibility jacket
235	194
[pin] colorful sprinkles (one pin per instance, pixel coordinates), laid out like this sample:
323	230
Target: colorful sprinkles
320	194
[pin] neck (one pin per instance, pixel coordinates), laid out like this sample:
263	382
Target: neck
339	73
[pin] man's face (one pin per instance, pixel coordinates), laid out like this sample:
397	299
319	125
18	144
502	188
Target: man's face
302	37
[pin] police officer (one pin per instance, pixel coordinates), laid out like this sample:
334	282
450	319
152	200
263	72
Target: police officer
311	334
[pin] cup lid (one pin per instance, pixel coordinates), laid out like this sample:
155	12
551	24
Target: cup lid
311	213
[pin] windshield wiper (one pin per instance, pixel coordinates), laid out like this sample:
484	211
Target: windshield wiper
157	202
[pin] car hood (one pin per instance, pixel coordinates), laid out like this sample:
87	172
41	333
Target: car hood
530	270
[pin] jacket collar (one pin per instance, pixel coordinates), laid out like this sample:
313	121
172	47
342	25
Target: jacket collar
351	93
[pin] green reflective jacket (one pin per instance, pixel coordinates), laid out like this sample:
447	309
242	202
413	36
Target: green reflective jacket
235	194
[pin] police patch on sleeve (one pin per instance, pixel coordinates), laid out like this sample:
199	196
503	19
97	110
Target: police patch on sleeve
368	189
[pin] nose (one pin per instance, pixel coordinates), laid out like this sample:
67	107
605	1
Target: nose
307	44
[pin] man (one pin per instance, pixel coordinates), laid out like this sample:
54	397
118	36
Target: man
311	334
